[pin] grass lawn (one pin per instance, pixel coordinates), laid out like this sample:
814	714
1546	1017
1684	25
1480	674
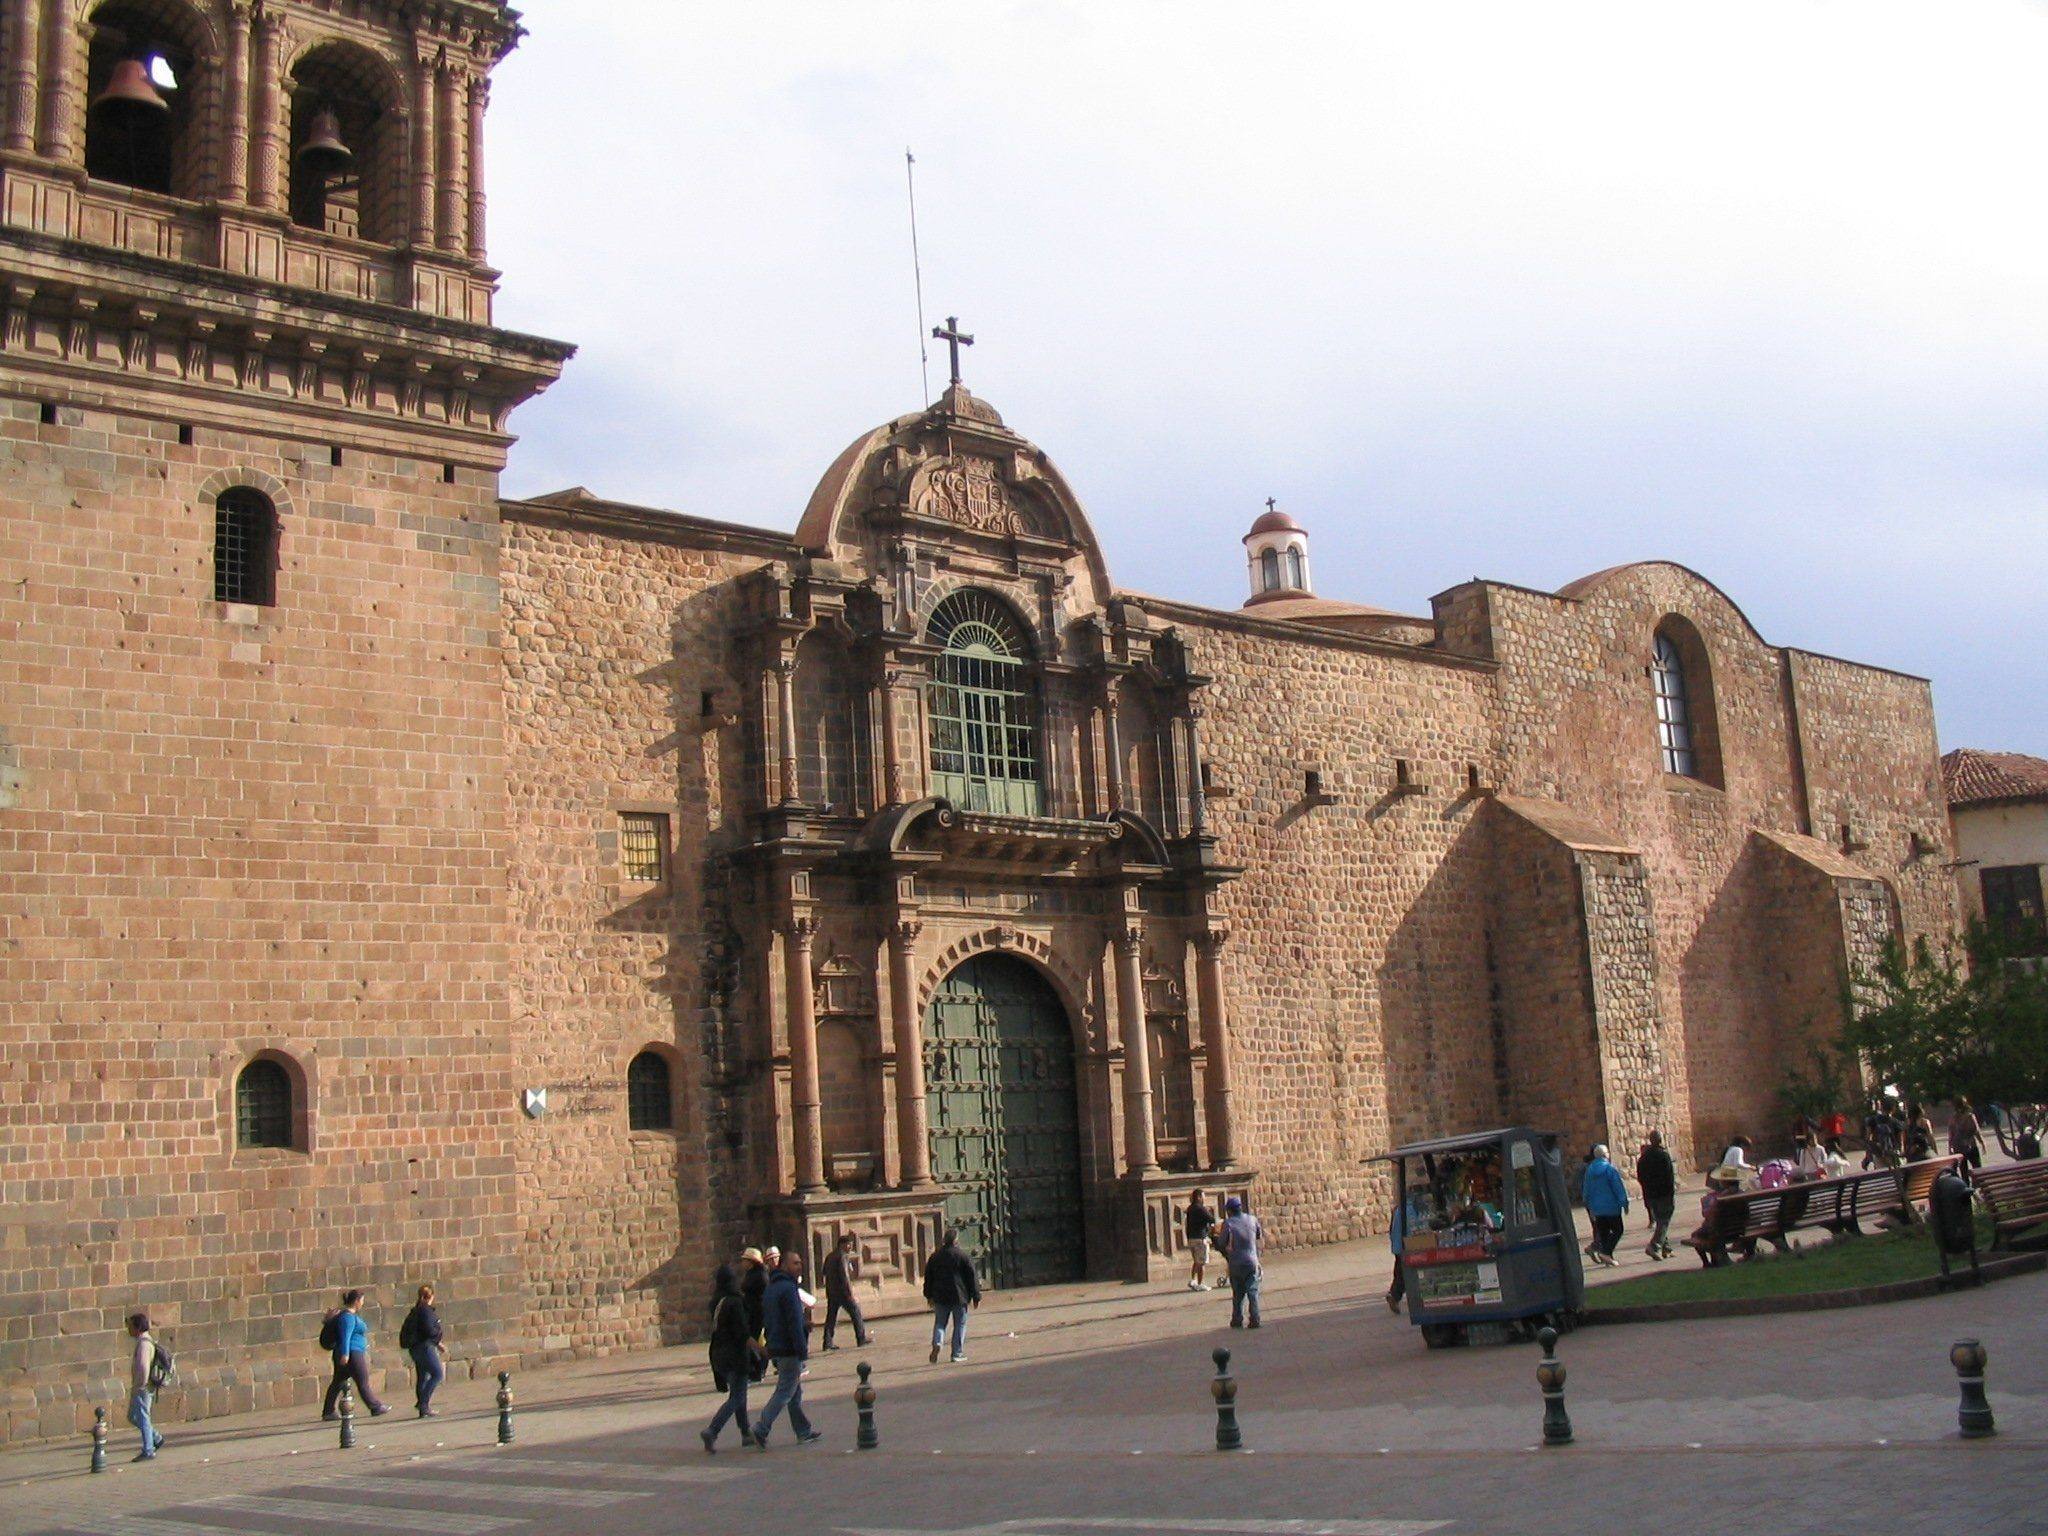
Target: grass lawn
1843	1264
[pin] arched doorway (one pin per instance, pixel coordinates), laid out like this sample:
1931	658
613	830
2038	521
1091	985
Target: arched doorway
1005	1132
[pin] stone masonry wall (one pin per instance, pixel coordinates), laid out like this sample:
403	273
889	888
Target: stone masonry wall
1356	976
1621	944
281	830
614	647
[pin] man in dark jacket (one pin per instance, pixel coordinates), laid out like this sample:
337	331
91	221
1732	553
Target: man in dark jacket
951	1286
1658	1180
788	1333
842	1268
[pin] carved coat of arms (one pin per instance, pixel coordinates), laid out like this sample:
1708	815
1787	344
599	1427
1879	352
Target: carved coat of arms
970	492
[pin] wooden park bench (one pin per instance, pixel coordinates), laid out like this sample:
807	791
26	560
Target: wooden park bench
1835	1205
2015	1197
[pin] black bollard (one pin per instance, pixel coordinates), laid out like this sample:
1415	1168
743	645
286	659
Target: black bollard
864	1399
505	1408
1973	1414
348	1416
1224	1390
1557	1424
99	1439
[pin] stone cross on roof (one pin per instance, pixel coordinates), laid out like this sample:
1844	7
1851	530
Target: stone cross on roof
954	338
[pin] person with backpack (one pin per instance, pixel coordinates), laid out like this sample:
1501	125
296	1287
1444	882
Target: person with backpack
951	1286
420	1336
1238	1239
149	1370
732	1358
347	1337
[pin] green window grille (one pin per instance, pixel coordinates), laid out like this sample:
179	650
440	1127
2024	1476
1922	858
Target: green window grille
650	1105
263	1106
984	709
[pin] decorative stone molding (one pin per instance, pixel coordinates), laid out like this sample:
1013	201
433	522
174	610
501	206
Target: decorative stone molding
1005	940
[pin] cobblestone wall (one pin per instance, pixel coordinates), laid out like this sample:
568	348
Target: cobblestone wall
238	830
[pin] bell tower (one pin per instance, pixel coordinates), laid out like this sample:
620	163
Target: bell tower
254	842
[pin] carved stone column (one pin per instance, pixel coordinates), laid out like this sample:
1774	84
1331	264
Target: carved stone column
24	47
785	730
451	119
234	107
422	150
1198	810
1112	749
62	132
805	1102
479	101
894	789
911	1121
267	142
1139	1150
1215	1045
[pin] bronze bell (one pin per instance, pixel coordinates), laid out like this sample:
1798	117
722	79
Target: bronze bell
324	154
130	99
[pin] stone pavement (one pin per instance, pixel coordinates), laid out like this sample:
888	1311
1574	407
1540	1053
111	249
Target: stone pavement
1086	1410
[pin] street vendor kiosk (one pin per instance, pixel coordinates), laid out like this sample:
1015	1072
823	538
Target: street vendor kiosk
1484	1237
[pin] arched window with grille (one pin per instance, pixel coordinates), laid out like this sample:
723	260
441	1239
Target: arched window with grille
266	1106
244	548
983	707
1269	571
650	1096
1688	736
1297	570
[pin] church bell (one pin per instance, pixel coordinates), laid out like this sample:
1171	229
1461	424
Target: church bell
324	154
130	99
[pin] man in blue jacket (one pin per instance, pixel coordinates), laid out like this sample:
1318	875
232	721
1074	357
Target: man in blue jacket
1606	1198
788	1333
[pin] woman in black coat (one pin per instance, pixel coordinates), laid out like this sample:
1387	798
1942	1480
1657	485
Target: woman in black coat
731	1352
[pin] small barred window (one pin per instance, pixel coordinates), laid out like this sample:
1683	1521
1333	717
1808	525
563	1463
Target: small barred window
643	847
650	1104
263	1105
244	548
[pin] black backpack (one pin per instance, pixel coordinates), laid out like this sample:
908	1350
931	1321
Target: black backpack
330	1332
163	1370
409	1330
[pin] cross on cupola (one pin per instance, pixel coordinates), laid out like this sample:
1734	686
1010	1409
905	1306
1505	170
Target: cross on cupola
954	338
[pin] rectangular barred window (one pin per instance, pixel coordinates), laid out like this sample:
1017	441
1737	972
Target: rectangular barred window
643	847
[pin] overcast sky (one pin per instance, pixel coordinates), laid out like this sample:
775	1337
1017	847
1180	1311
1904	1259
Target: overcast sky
1512	290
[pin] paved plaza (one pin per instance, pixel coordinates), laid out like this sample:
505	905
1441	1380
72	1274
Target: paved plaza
1086	1409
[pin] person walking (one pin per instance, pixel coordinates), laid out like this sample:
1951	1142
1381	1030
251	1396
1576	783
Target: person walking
1606	1201
753	1289
144	1376
420	1336
1657	1177
951	1286
732	1358
351	1346
789	1345
1197	1221
1237	1239
1966	1135
842	1268
1919	1134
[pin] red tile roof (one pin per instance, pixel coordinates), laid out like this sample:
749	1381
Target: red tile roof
1970	776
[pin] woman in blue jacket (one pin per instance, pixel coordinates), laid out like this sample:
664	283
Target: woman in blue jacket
1606	1198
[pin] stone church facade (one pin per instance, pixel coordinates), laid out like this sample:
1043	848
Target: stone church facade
543	897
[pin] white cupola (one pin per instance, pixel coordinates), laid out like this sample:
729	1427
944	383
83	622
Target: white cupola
1276	551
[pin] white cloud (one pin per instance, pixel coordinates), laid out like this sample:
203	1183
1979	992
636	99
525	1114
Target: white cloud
1511	289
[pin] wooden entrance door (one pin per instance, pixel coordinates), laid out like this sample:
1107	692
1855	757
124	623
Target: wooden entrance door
1005	1132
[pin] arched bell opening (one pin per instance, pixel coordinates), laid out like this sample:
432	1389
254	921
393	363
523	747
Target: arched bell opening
144	93
347	145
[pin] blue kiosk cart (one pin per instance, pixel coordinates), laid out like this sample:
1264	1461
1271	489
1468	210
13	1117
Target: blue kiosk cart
1487	1246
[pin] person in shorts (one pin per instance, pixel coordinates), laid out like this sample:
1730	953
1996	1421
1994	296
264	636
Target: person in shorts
1197	1221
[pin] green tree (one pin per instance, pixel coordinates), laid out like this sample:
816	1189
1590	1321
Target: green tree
1966	1020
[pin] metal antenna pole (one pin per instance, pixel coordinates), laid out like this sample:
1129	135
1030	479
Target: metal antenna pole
917	271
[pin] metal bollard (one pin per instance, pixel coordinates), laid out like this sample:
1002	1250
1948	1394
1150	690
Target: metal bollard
864	1399
1557	1424
348	1416
99	1439
504	1407
1224	1390
1973	1414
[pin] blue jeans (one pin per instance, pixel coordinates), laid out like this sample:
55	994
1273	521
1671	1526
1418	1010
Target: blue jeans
428	1371
138	1415
957	1316
1244	1292
734	1407
789	1389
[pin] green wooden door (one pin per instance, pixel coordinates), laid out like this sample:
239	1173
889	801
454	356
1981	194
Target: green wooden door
1005	1137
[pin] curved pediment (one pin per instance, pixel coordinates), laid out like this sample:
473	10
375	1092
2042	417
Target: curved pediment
954	474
